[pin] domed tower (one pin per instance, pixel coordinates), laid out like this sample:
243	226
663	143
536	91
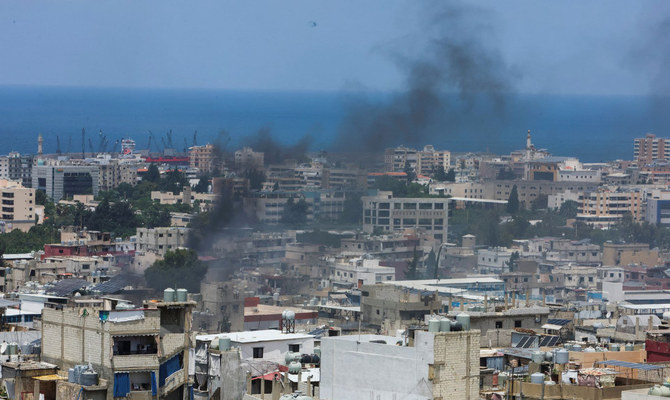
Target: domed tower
40	141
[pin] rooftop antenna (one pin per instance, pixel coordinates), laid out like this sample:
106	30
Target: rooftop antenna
57	144
195	138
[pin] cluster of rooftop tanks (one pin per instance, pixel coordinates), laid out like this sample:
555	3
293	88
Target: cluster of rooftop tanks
462	323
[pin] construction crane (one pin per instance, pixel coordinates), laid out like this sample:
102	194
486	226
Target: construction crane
101	144
149	144
57	144
195	138
185	145
90	146
83	143
169	139
116	146
69	144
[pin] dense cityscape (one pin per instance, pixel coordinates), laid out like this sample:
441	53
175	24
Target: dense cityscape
351	200
222	273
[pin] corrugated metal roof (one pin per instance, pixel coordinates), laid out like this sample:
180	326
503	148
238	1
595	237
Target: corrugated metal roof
617	363
66	287
115	285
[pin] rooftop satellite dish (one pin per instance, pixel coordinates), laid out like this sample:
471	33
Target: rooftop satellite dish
3	348
609	314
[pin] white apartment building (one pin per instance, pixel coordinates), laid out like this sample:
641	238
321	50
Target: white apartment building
385	213
358	272
493	260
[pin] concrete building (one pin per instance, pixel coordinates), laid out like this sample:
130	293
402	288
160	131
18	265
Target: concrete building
115	172
203	158
493	260
607	206
399	159
359	272
385	213
658	208
383	303
529	191
269	345
268	207
443	365
555	201
64	181
247	158
622	254
430	160
17	167
161	240
650	148
19	210
139	352
222	306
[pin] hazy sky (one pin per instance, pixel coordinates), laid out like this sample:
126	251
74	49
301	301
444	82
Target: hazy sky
596	47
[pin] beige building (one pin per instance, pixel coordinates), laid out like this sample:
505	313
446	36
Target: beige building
248	158
116	172
206	200
622	254
19	210
202	158
135	351
607	206
650	148
429	160
161	240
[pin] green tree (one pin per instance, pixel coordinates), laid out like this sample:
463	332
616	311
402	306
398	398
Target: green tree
451	175
180	268
513	201
512	263
439	174
569	209
295	213
431	263
411	174
352	211
152	174
174	181
203	185
255	177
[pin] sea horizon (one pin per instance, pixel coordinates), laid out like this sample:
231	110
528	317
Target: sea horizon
591	127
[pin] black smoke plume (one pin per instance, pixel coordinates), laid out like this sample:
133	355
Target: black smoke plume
455	58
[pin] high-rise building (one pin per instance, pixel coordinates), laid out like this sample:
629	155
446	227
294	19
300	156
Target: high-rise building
650	148
64	181
202	158
19	210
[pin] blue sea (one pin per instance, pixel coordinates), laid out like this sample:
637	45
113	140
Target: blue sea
593	128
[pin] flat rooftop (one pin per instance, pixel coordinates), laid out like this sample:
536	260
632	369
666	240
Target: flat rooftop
268	335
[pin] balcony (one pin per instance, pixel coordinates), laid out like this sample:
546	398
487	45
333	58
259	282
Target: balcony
135	361
173	381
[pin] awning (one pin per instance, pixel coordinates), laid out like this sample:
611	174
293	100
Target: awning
552	327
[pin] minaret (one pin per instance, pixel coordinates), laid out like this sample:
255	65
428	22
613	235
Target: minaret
529	145
40	140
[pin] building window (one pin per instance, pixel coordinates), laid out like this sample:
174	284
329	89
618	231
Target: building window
517	323
258	352
294	348
499	324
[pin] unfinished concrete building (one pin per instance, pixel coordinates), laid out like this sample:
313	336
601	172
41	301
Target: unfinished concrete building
141	352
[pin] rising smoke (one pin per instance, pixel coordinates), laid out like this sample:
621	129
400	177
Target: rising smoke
455	58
